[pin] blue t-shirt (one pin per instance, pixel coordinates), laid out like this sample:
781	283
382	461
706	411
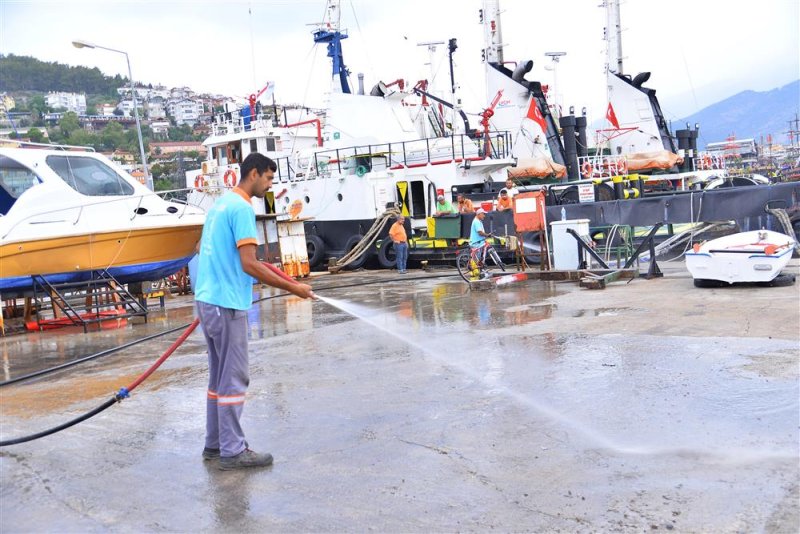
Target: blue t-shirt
230	223
475	239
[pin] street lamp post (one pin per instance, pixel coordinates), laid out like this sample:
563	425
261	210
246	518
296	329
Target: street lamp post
147	177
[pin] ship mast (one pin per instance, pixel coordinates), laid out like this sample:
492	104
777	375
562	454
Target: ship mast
613	37
329	32
493	36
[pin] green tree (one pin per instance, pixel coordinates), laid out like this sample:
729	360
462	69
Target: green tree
69	123
163	184
36	135
38	107
157	171
91	109
81	137
113	136
23	73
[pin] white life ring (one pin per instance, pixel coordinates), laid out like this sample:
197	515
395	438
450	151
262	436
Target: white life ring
229	179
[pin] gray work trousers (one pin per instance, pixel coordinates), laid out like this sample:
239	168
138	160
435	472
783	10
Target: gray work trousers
228	376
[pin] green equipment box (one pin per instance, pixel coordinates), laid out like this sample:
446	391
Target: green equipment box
447	227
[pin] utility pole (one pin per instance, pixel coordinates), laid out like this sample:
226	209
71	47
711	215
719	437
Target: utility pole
794	131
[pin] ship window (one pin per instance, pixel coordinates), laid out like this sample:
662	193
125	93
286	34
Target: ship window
417	199
253	145
15	179
89	176
270	144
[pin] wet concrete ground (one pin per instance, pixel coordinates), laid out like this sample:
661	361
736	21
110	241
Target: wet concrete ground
536	407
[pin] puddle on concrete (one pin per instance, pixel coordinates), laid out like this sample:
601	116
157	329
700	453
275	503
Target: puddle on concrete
600	312
529	313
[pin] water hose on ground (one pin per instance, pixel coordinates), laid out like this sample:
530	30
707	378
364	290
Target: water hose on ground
121	394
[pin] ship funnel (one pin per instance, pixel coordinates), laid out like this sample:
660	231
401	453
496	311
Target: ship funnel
640	78
522	69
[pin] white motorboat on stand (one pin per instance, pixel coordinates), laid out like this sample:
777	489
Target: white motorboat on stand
757	256
68	211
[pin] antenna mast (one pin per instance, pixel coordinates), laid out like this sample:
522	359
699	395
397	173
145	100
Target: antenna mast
613	37
493	35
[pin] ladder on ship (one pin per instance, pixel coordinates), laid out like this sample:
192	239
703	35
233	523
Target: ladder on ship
100	298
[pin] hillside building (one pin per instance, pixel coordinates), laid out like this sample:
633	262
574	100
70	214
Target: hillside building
70	101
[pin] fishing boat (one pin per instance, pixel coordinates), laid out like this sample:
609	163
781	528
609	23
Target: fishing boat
341	168
756	256
68	211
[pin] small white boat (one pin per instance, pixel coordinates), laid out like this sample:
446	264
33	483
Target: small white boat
757	256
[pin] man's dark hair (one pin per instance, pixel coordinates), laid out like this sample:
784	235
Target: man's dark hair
256	161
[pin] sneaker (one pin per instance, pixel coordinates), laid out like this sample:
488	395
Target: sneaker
246	458
210	454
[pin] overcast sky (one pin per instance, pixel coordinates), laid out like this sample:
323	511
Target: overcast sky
699	51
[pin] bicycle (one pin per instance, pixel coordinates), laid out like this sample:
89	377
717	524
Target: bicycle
471	263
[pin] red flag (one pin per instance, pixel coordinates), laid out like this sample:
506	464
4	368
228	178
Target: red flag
536	116
612	117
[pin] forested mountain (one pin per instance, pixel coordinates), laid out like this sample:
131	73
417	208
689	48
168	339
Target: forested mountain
749	114
23	73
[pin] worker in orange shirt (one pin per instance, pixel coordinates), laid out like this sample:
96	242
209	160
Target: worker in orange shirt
464	204
504	202
397	233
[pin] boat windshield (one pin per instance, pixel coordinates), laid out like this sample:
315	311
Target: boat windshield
89	176
15	179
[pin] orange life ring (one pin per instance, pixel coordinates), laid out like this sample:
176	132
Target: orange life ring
622	166
229	179
586	169
200	182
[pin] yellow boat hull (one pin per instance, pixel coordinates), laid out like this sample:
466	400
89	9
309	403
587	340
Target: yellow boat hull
99	250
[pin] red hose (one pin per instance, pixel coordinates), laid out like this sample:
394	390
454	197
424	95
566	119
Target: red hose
164	356
279	272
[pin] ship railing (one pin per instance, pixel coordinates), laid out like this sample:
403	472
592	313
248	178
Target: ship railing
236	124
360	159
706	161
602	166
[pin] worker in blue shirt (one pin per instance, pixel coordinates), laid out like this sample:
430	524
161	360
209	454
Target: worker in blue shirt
477	235
226	268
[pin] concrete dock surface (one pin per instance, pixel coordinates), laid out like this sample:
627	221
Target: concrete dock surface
539	407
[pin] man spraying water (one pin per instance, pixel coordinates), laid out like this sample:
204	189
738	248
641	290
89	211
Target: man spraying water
224	292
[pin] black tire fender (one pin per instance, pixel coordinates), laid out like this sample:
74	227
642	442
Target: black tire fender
707	283
359	262
316	250
782	280
387	258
